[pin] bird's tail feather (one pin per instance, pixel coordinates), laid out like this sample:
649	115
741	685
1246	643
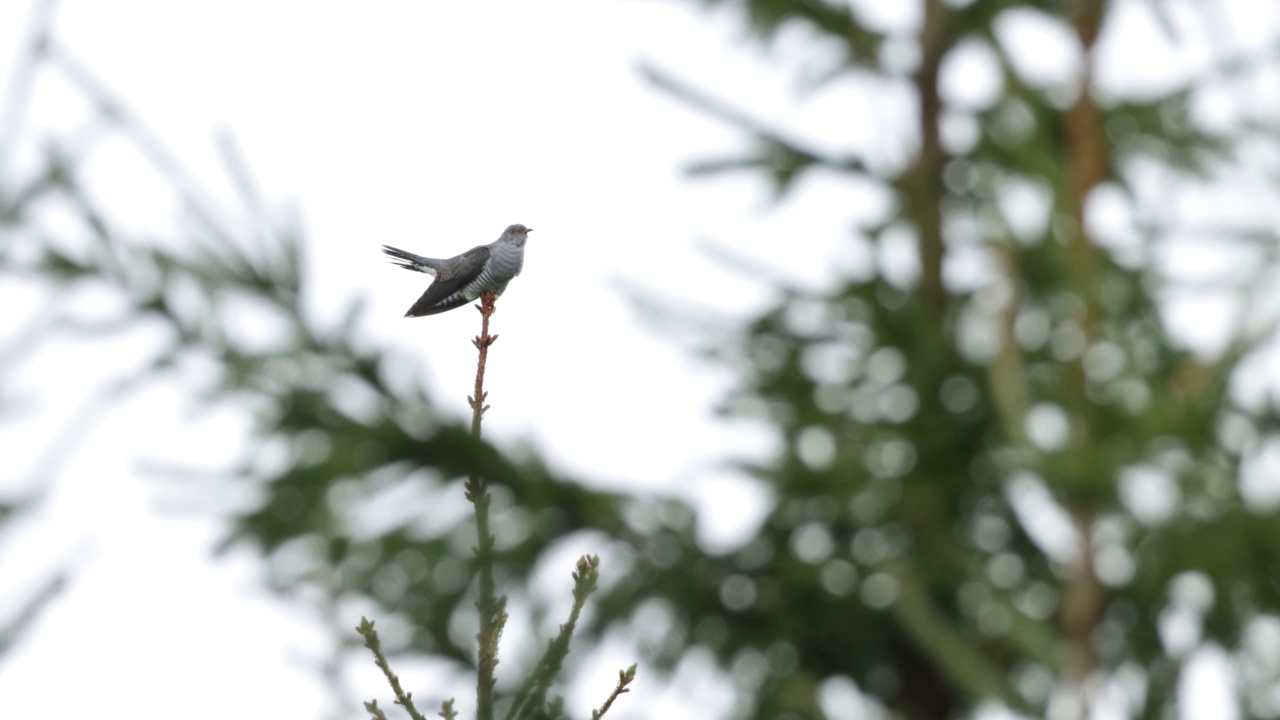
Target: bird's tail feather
411	261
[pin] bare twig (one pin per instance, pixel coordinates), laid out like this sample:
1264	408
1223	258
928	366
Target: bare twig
492	609
487	307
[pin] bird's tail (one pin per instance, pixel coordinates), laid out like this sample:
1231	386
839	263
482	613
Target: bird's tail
410	261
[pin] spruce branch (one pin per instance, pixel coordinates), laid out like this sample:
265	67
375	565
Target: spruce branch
533	693
624	679
403	699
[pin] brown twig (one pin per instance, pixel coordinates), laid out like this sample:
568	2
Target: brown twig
922	184
1081	608
492	608
487	307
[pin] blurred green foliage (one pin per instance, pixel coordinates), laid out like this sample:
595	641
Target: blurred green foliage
1020	488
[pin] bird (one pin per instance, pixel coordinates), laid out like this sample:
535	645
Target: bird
465	277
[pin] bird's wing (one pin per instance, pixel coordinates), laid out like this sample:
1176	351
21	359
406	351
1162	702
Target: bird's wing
451	278
411	261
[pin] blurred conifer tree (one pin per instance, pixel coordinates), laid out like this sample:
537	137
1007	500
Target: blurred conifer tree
1002	478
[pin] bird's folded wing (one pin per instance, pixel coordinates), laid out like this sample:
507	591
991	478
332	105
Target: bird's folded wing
453	277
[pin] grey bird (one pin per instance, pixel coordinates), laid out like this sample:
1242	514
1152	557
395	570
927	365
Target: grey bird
461	279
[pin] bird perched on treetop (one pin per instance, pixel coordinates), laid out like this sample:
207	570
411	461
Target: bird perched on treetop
461	279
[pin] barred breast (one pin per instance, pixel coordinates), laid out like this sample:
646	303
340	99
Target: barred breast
505	262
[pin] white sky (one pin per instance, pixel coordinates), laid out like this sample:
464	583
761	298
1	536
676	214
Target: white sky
431	127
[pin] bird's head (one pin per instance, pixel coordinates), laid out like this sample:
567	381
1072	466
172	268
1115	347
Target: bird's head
517	233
